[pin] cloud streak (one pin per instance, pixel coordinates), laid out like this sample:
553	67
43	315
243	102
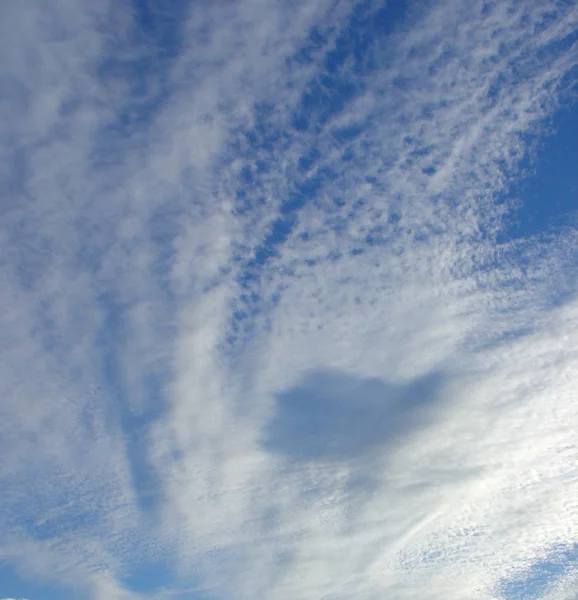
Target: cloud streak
291	202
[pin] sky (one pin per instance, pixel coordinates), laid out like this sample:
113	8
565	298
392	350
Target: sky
289	300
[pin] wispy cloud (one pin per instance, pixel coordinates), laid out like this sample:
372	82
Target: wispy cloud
288	203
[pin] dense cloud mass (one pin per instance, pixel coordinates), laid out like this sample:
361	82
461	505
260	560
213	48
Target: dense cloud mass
277	321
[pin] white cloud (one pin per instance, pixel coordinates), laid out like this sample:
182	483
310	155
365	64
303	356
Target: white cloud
126	258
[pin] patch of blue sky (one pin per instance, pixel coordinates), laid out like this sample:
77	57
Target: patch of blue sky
548	197
31	258
535	582
347	61
160	24
135	419
140	62
146	577
351	59
150	577
541	197
546	186
370	24
543	201
15	585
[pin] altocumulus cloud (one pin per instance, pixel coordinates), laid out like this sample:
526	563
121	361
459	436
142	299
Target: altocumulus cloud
274	321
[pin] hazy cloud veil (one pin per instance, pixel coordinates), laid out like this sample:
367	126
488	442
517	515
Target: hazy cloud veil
277	320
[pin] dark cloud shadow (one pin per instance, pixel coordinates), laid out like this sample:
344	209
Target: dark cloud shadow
331	416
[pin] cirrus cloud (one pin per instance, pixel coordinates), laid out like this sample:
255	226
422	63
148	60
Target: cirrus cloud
266	331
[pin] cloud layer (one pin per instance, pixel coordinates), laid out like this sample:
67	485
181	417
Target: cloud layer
264	329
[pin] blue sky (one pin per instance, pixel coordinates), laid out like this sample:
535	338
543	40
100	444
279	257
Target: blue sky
289	300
